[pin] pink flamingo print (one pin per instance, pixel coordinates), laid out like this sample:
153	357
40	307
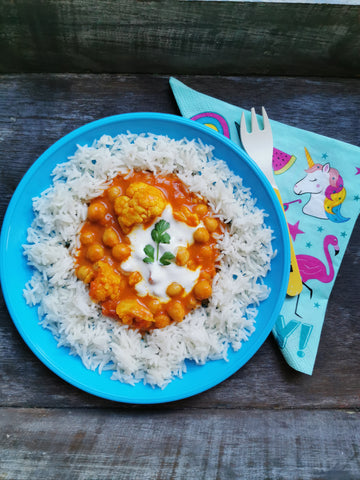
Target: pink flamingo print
311	268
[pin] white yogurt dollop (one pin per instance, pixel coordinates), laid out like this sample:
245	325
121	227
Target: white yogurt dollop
157	277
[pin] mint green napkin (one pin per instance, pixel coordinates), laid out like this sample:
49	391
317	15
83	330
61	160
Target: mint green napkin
319	181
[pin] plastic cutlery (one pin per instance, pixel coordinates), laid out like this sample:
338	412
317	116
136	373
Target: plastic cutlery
259	145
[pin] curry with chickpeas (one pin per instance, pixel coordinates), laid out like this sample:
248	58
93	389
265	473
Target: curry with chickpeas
180	231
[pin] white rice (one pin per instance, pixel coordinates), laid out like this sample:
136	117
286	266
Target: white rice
102	343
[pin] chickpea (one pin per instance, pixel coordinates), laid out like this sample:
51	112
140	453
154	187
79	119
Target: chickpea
134	278
211	224
205	275
113	192
154	305
87	237
201	209
110	237
206	251
191	302
120	252
201	235
85	274
174	289
162	320
182	256
176	311
96	211
192	265
202	289
95	252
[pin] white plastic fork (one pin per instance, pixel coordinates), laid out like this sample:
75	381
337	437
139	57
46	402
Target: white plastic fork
259	146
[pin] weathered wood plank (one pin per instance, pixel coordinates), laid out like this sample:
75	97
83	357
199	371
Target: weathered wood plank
36	110
183	37
52	444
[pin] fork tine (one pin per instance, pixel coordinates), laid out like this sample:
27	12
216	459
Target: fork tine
243	129
254	123
266	121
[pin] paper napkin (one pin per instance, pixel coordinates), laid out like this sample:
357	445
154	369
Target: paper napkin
319	181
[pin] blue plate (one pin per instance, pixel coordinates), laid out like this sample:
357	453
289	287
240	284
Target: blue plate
15	272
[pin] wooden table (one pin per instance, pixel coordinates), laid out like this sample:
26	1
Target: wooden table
266	421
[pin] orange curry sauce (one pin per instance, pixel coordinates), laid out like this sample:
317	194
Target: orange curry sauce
104	245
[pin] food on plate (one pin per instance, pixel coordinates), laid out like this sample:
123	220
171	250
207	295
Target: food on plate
147	252
141	234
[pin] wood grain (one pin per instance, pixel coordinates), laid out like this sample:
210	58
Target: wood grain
266	421
183	445
222	37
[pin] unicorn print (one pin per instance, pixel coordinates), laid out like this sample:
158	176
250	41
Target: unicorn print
326	188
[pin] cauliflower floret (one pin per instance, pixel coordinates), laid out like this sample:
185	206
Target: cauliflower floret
131	310
186	216
106	284
141	203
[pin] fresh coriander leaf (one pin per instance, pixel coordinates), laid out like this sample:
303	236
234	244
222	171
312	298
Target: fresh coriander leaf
166	258
164	238
149	250
164	262
155	235
161	226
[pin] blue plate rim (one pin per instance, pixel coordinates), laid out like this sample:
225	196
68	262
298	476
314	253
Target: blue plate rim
38	164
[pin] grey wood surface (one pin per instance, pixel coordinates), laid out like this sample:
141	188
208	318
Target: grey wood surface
162	36
186	444
266	421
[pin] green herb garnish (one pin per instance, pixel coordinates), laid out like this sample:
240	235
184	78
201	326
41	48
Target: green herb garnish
166	258
149	251
159	235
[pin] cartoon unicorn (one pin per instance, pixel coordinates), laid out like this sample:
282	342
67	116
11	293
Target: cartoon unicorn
326	188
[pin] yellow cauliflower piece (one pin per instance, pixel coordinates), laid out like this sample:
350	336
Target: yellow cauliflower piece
141	203
131	310
106	284
186	216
